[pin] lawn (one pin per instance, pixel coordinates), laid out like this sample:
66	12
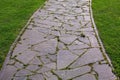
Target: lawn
107	19
14	14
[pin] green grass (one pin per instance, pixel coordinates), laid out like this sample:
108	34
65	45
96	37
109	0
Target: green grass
13	16
107	18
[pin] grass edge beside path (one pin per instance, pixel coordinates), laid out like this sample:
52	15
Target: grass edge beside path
14	15
107	18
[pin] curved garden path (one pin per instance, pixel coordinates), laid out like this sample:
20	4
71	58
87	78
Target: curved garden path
59	43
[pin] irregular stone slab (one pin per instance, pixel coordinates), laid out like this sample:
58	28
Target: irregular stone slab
18	65
61	46
35	61
20	78
26	56
91	56
50	76
20	48
86	77
51	65
78	47
92	39
8	73
35	36
69	74
84	40
65	58
68	39
46	47
23	72
32	67
53	58
79	52
43	69
102	70
87	18
45	59
36	77
90	29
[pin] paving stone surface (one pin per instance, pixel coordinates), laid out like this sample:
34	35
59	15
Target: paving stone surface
60	43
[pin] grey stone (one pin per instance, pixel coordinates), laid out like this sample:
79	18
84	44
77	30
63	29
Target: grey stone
71	27
45	59
69	74
75	23
52	57
80	18
44	30
19	49
34	39
35	61
50	76
48	37
69	17
89	29
8	73
86	77
102	70
18	65
43	69
51	65
51	23
94	42
37	77
77	42
61	46
68	39
92	38
23	72
78	10
32	67
78	47
87	18
46	47
65	58
91	56
56	33
85	40
11	62
20	78
26	56
79	52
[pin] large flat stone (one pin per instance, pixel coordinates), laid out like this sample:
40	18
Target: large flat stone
35	61
50	76
8	73
65	58
45	59
104	72
86	77
91	56
20	78
79	52
36	77
67	39
23	72
26	56
69	74
78	47
51	65
46	47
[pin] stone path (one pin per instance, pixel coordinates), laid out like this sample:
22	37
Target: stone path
59	43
